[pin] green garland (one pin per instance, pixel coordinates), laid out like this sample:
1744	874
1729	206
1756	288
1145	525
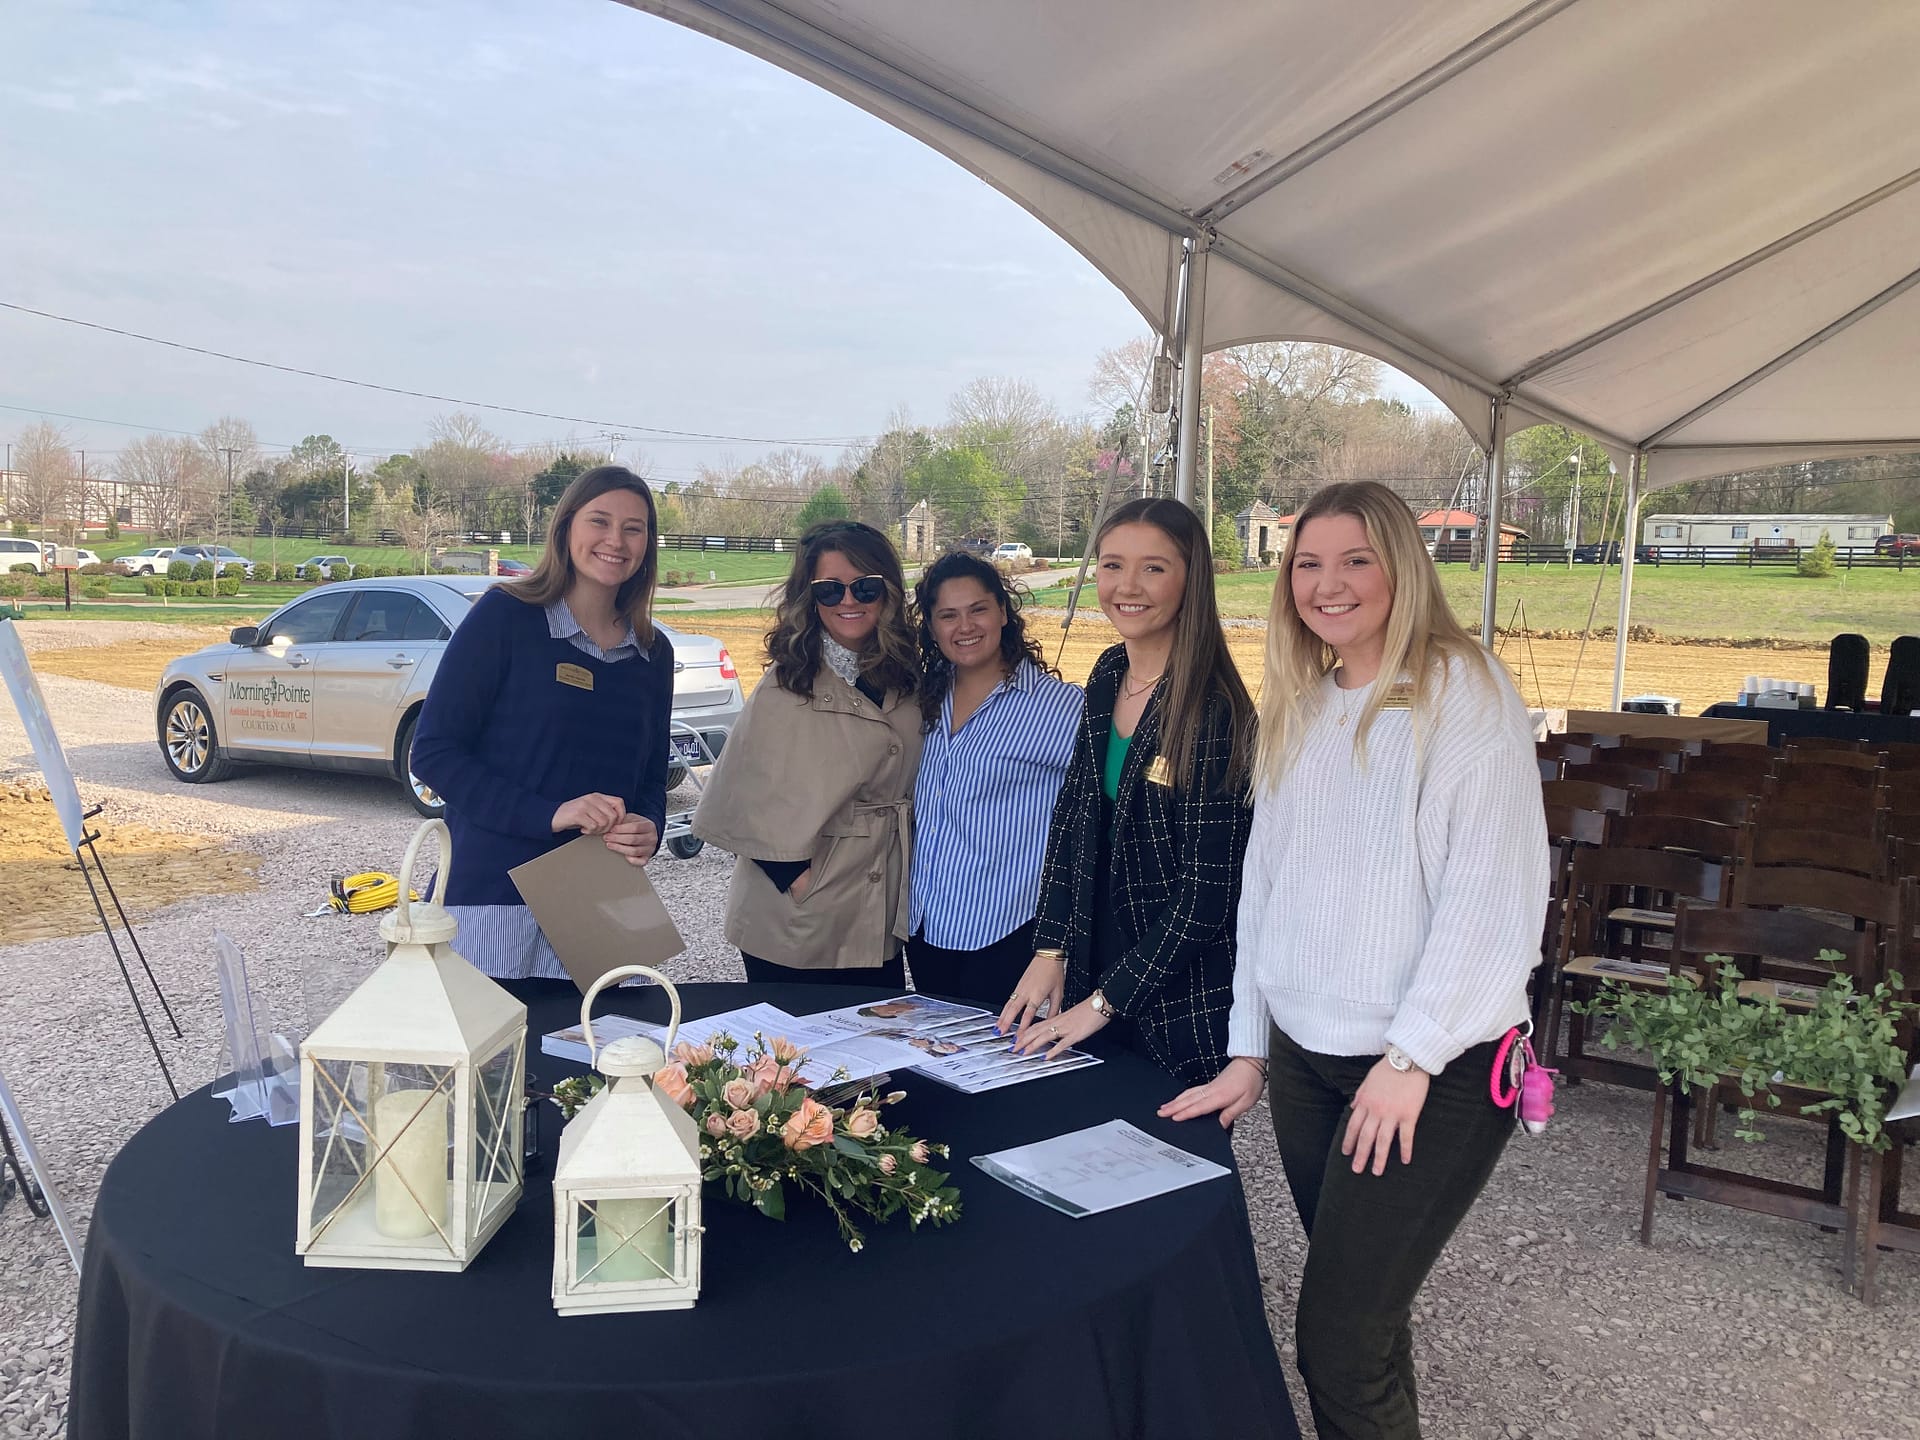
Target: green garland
1846	1045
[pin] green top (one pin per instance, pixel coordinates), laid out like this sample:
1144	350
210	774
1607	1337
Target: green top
1117	747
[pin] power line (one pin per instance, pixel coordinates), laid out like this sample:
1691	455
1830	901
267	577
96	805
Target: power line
660	433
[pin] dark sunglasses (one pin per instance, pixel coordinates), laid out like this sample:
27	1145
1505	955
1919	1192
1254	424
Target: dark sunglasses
866	590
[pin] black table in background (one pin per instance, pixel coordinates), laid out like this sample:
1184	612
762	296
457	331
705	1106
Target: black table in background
198	1322
1784	725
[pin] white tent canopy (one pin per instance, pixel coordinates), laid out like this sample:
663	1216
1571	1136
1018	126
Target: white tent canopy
1689	230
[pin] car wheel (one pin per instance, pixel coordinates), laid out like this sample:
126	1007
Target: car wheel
685	847
676	775
188	740
426	800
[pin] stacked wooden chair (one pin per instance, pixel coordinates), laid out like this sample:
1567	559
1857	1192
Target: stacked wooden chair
1667	853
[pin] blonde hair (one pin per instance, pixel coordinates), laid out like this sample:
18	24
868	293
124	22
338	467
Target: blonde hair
1422	634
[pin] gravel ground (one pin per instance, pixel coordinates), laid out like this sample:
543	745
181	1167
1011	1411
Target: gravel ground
1544	1318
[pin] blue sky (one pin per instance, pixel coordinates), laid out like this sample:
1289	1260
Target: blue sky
558	204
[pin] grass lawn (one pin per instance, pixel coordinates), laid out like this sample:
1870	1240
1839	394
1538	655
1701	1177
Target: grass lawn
726	568
176	612
1696	602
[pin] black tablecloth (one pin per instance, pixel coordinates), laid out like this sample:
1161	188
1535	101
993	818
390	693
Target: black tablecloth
1784	725
198	1321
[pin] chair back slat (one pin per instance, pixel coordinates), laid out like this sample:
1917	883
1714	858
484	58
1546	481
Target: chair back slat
1847	818
1624	776
1861	855
1736	749
1808	774
1773	944
1693	805
1799	752
1685	833
1585	795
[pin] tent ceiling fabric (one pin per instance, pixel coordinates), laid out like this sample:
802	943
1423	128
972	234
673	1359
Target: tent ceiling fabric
1618	212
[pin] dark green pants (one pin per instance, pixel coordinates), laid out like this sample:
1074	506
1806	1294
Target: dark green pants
1373	1238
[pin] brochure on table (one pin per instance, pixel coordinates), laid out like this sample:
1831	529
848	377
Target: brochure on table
955	1045
1100	1168
830	1049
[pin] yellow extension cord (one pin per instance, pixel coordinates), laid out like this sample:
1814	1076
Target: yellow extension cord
364	893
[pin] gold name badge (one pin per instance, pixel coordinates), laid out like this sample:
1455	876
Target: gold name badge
1159	772
577	676
1400	697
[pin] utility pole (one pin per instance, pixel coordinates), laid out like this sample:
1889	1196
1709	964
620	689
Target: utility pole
225	500
83	493
346	495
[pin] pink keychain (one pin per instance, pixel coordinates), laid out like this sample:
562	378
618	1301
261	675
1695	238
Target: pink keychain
1527	1081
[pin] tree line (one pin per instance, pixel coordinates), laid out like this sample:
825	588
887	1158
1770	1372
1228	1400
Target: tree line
1281	419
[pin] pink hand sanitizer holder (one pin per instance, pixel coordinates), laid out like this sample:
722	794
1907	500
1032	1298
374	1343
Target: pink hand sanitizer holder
1519	1079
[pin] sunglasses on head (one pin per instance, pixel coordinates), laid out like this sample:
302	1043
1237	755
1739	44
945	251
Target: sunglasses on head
866	590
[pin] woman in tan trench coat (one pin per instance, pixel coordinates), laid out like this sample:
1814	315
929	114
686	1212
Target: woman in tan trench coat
814	790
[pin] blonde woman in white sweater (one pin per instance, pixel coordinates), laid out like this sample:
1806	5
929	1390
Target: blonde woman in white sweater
1389	915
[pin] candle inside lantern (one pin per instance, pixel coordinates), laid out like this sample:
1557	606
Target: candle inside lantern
648	1253
410	1182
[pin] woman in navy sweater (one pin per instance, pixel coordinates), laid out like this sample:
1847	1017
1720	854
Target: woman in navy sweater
548	718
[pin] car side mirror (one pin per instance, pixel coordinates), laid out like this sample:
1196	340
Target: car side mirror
244	635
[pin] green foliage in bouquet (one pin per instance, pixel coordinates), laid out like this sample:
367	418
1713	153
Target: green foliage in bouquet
1846	1045
762	1129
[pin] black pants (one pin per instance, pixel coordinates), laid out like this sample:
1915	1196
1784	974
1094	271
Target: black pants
1373	1238
985	977
890	976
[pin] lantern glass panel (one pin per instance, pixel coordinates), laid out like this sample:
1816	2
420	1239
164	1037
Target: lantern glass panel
627	1240
382	1154
499	1099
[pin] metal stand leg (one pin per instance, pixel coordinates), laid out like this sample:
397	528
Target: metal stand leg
120	959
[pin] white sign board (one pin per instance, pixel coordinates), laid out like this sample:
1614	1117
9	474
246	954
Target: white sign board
37	1170
24	687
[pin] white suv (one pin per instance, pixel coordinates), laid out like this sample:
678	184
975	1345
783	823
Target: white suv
1012	552
151	561
21	552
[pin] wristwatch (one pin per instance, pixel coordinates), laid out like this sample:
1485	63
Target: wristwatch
1102	1006
1400	1060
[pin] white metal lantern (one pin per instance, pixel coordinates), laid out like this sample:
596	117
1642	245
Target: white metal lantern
626	1188
412	1102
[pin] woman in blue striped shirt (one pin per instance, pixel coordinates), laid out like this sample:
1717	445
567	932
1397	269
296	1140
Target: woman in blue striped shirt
1000	728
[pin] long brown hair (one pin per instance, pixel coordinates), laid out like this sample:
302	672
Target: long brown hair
936	671
1199	665
793	644
553	576
1422	635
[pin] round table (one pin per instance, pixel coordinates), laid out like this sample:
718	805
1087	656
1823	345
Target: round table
198	1321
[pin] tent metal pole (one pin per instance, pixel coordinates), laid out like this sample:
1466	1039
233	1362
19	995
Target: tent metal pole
1490	532
1193	349
1636	469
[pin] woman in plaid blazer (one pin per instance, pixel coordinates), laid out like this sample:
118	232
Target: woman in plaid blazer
1142	872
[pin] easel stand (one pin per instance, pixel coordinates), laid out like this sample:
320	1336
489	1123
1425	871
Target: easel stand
36	1186
88	871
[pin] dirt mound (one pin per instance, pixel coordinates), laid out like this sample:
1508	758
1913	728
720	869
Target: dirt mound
44	896
130	664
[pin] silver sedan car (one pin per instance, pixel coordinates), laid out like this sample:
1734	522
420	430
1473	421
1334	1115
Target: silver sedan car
335	679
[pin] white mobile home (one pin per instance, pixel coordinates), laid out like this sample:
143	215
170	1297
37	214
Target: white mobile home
1849	532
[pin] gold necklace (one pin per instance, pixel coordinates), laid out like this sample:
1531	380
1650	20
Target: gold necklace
1126	684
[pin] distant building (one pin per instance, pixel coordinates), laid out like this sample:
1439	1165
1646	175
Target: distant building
1460	527
1260	532
916	533
1786	532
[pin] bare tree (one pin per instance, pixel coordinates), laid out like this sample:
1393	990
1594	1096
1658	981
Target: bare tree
165	473
47	478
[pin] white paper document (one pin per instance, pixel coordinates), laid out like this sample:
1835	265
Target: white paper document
1906	1104
1097	1169
953	1045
